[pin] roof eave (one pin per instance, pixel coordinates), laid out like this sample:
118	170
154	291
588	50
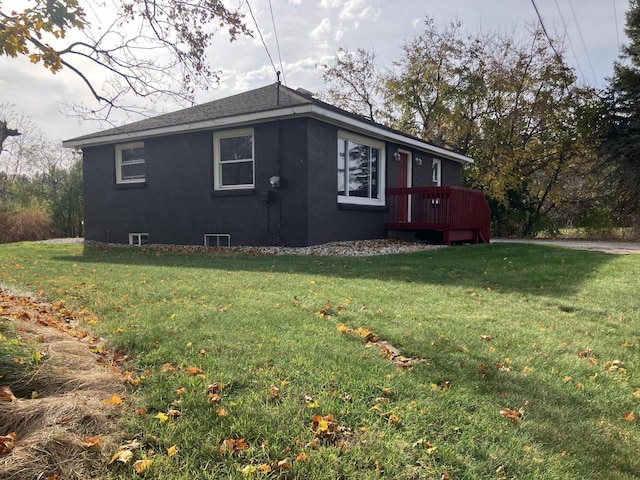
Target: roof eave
390	135
286	112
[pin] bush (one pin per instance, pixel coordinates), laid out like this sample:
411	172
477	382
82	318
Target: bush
24	225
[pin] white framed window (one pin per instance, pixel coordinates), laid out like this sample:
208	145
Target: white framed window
130	163
361	170
233	159
436	171
138	239
217	240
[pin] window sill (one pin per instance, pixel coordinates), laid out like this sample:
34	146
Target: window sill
128	186
240	192
362	208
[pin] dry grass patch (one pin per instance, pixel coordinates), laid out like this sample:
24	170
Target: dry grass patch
63	429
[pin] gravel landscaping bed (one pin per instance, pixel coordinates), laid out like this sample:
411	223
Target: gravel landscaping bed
360	248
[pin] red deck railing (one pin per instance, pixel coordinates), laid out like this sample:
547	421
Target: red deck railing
460	213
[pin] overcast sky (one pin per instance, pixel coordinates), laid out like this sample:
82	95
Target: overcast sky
310	32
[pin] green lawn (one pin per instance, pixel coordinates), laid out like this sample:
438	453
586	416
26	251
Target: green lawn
563	351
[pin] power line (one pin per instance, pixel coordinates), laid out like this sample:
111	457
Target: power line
568	37
586	52
275	32
275	70
546	34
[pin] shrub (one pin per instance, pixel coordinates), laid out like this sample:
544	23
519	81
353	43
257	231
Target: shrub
24	225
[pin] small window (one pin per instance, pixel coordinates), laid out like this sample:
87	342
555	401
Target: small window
436	173
217	240
130	163
233	157
138	239
360	170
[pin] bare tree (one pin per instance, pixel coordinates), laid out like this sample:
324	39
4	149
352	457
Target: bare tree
145	47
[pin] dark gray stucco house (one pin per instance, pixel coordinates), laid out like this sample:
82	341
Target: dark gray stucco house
271	166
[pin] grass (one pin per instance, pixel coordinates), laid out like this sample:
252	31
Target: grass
564	351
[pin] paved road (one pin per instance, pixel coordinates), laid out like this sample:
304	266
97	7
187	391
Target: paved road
620	248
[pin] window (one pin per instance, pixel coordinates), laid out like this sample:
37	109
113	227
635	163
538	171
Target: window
360	170
138	239
436	173
217	240
233	159
130	163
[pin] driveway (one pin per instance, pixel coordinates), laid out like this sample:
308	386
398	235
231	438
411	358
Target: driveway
620	248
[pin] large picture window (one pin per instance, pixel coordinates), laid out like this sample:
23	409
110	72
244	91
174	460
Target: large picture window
130	163
360	170
233	159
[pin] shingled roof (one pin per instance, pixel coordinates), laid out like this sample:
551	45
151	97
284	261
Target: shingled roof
269	102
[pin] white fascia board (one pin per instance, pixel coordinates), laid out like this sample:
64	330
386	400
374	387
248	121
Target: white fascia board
188	127
381	132
286	112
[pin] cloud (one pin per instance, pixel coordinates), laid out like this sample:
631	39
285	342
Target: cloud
322	31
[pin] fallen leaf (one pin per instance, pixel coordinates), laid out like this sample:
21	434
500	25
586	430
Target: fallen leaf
162	417
180	391
221	412
6	395
193	371
302	457
92	441
142	412
629	417
513	415
141	465
215	387
249	470
123	456
168	368
171	451
265	468
173	413
487	338
274	392
114	400
7	443
233	446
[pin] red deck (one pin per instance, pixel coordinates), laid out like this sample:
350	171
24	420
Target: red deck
461	214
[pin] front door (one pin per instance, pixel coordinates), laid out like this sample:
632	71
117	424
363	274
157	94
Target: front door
404	181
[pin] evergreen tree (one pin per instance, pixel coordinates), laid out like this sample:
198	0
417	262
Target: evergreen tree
621	146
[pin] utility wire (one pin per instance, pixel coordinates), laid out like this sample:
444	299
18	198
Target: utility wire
564	26
275	70
584	46
275	32
544	30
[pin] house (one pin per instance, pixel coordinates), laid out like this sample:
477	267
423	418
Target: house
271	166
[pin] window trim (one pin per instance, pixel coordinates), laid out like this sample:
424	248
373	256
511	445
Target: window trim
119	163
437	179
217	172
139	235
382	166
218	237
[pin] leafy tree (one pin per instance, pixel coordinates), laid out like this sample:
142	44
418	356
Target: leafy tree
40	185
621	147
61	190
147	47
510	103
353	82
